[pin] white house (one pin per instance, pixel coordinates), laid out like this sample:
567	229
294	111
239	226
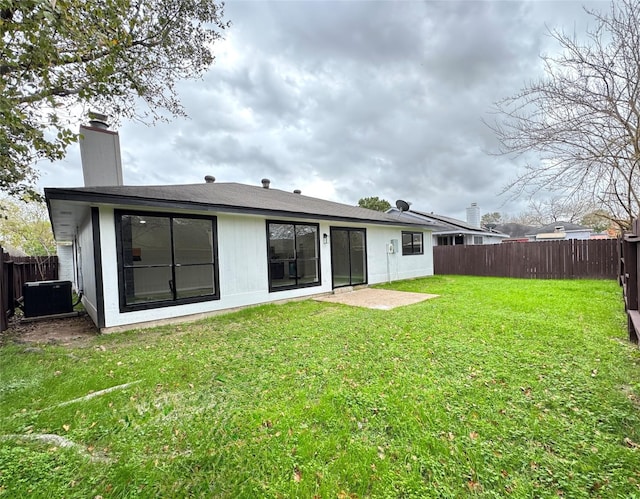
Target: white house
150	253
449	231
559	231
147	254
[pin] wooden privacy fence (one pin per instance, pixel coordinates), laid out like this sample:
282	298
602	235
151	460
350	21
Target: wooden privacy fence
569	259
628	275
14	272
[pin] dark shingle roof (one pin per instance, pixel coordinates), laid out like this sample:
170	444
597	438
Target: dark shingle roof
227	197
566	226
454	223
515	230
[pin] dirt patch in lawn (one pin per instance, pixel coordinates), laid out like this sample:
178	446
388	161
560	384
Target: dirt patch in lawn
380	299
59	331
81	329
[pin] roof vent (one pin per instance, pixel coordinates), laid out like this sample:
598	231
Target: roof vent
559	228
297	191
209	179
265	183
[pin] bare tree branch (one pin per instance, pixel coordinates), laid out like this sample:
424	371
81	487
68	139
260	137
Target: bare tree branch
583	118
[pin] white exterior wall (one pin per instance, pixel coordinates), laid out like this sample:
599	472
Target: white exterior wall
493	239
243	266
384	266
579	234
486	239
65	264
87	275
559	236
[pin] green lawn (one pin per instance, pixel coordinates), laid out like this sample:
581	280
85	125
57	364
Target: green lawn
499	387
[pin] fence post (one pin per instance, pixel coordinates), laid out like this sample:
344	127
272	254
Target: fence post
4	293
629	279
11	291
630	284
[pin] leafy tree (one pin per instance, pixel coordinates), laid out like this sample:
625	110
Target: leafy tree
374	203
493	219
583	116
58	57
598	220
25	226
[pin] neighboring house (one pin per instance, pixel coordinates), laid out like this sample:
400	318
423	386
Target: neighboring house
558	231
150	253
450	231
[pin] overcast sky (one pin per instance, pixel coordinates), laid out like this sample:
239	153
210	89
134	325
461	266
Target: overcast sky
345	100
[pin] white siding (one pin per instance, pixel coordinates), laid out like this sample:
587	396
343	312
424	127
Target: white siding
65	264
579	234
385	266
243	266
87	275
492	239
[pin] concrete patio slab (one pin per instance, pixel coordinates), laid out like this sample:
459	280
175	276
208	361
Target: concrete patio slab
379	299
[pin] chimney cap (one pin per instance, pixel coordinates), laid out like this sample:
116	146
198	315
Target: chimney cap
98	120
265	183
209	179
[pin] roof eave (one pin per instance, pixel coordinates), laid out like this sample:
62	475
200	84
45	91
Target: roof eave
112	199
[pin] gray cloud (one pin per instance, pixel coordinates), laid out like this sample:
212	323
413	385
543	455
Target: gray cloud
352	99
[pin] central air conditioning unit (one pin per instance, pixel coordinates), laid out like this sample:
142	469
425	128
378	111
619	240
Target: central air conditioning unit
47	298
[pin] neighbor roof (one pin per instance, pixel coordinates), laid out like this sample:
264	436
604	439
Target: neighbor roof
222	197
566	227
515	230
453	222
444	225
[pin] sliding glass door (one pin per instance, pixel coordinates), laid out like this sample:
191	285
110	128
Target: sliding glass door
348	256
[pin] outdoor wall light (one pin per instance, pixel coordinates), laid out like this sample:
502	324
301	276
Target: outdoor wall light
325	238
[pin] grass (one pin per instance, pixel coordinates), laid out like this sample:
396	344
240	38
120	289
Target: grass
497	388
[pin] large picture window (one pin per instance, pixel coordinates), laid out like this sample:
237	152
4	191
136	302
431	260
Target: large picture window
294	250
165	260
412	243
